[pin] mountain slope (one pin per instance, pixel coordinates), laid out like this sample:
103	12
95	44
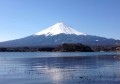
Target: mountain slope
43	41
58	34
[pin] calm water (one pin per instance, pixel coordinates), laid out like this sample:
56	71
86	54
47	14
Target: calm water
59	68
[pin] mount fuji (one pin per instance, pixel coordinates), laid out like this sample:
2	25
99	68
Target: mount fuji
58	34
59	28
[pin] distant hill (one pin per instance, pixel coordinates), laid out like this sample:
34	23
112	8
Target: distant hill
73	48
61	48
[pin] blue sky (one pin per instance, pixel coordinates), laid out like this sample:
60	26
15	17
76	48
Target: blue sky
21	18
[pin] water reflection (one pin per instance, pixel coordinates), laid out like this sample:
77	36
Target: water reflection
60	70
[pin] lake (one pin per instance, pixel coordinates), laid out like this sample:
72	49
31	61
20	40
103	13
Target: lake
59	68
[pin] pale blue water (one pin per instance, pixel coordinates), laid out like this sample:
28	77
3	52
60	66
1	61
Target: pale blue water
59	68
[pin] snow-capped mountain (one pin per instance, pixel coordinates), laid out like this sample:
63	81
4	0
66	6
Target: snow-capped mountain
59	28
58	34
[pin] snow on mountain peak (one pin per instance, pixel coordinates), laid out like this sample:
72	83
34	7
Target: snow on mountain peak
59	28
